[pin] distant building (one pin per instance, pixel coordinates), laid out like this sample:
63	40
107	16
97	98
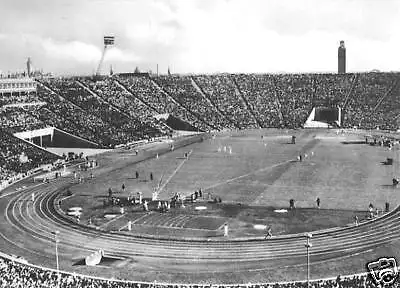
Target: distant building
342	58
17	85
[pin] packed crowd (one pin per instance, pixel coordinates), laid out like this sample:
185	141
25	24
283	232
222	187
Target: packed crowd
222	91
370	94
17	119
122	108
260	92
18	157
112	91
388	108
332	89
64	112
117	110
184	91
16	274
294	92
116	125
149	92
8	98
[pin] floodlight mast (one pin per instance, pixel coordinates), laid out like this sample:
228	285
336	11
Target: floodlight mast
108	41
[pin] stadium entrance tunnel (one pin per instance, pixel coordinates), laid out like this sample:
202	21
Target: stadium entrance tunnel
324	117
53	137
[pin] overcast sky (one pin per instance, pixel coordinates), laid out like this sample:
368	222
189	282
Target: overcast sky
200	36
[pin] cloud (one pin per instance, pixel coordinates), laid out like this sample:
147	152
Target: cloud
72	51
115	54
201	35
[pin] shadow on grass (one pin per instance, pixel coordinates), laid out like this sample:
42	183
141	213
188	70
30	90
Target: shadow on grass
353	142
388	186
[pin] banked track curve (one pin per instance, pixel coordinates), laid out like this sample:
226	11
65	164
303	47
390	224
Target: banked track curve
40	218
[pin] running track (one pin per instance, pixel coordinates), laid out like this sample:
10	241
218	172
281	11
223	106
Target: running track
35	221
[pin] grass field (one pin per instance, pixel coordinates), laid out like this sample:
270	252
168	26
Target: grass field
260	174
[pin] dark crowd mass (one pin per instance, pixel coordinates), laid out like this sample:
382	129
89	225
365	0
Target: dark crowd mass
20	275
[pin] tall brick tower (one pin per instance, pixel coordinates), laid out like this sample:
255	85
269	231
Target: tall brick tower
342	58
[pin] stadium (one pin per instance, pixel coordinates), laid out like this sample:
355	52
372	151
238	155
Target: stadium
249	180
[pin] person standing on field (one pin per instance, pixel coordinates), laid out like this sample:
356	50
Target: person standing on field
318	202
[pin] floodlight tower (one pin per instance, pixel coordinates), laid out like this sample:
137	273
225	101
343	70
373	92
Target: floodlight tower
108	41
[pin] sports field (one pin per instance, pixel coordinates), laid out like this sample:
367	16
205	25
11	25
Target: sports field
254	173
258	176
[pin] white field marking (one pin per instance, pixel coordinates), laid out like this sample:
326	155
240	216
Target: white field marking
22	247
281	211
260	227
105	224
20	190
141	217
172	222
46	228
174	227
173	174
246	175
207	230
179	222
66	197
189	284
38	223
313	263
363	236
310	188
15	226
220	227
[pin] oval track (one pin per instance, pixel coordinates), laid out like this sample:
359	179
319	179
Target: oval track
40	218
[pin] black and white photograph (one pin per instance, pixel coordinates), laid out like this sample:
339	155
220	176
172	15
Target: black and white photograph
199	143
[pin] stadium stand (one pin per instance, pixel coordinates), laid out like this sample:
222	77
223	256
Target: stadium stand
118	126
145	89
259	90
121	109
183	91
386	112
18	98
87	125
117	96
332	89
369	90
17	119
18	156
16	274
295	95
116	110
221	91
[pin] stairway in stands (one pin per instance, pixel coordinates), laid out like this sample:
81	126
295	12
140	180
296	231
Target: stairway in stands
201	92
205	125
159	125
246	103
68	122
